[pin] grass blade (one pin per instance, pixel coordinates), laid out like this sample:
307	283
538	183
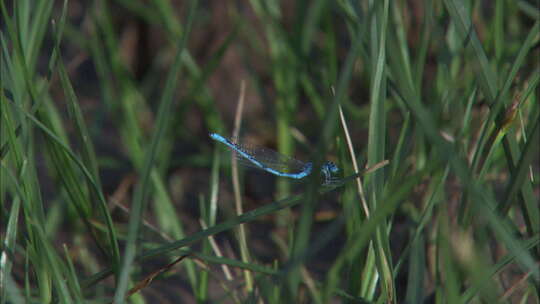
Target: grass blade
139	200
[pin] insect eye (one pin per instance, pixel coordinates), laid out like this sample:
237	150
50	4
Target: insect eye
332	167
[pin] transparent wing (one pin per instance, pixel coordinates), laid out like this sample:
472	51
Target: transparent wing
267	157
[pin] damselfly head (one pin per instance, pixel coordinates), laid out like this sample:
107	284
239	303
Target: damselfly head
331	167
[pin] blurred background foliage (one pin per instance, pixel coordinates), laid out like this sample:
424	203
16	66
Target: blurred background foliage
111	189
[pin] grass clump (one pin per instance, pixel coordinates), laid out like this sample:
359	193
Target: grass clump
111	190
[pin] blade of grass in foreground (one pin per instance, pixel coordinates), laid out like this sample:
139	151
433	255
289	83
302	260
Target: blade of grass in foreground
495	114
73	281
89	159
8	244
142	190
482	199
302	234
46	263
391	198
229	225
68	176
487	77
499	266
417	268
522	170
376	151
63	149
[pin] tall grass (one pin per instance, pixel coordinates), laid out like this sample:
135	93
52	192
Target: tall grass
111	190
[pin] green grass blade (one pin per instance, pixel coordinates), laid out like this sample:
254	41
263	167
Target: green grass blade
519	176
8	245
496	114
377	147
416	272
487	77
141	193
62	148
73	281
